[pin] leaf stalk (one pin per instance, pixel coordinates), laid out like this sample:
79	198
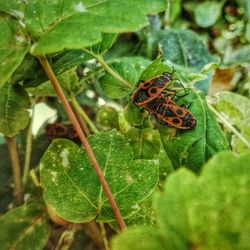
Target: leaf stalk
100	59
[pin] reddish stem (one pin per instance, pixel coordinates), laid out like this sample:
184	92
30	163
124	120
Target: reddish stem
16	169
50	74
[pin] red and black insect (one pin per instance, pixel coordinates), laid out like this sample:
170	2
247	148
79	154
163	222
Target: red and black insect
156	97
152	88
169	114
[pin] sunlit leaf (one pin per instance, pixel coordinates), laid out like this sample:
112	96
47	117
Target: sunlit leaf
71	186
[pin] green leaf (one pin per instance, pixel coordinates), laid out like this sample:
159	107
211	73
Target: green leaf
32	73
201	80
173	11
206	14
108	117
5	178
65	167
112	87
184	48
133	115
107	41
23	225
83	21
14	105
144	216
206	212
236	109
68	81
13	7
13	48
194	147
138	62
156	68
238	56
145	142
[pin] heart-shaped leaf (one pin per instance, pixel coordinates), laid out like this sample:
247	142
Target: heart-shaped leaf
71	186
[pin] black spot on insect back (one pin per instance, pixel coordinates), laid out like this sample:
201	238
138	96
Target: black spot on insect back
176	121
179	112
153	90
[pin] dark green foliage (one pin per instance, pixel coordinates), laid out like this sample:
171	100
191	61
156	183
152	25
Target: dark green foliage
175	188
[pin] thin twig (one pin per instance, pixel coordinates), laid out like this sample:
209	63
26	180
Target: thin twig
28	151
104	236
82	113
15	164
81	121
100	59
50	74
93	231
229	125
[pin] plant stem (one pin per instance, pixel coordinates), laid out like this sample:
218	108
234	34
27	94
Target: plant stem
93	231
81	121
229	125
104	236
82	113
15	164
50	74
28	152
100	59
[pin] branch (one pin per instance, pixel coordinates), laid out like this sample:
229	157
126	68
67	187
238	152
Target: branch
50	74
28	150
82	113
100	59
15	164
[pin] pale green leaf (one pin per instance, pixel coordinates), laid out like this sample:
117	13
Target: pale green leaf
206	14
238	56
206	212
236	110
